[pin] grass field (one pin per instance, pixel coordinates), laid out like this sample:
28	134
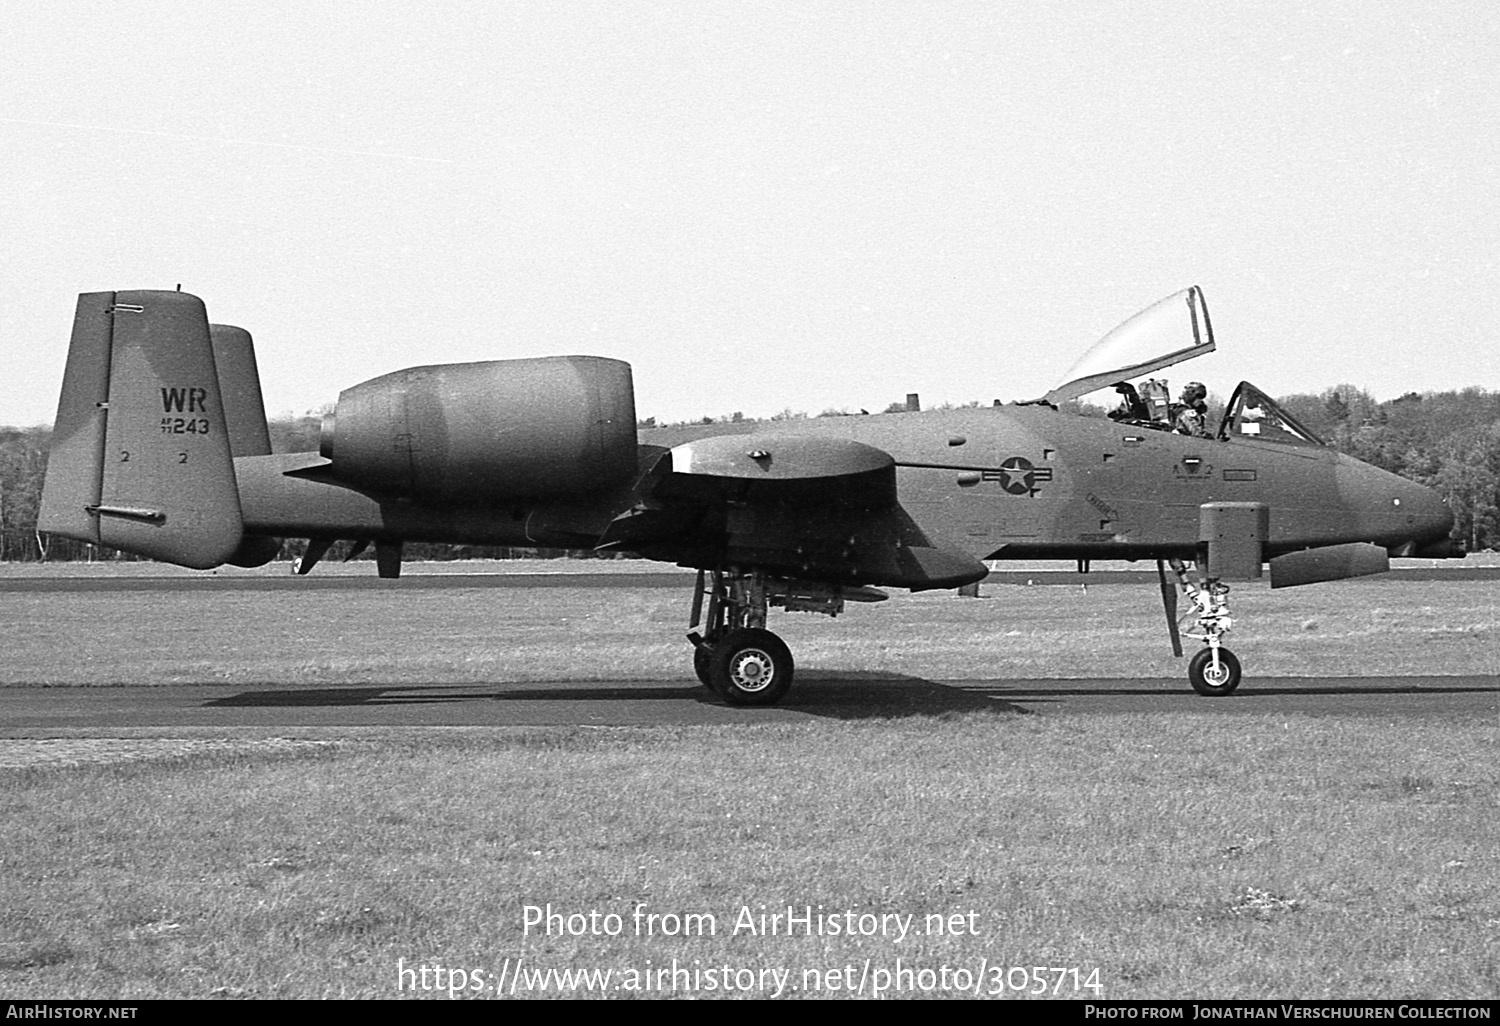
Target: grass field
1180	855
488	634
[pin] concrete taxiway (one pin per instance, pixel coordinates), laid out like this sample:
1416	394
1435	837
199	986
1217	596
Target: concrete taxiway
35	711
27	711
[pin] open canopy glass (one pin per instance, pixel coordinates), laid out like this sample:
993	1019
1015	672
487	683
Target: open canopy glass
1166	332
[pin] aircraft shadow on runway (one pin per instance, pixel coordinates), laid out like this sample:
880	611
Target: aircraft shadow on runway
847	695
1268	688
827	693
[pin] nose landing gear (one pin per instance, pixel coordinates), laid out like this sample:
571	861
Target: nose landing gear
1213	671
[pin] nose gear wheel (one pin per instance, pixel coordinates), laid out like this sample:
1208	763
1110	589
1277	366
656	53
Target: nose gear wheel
1214	671
1214	678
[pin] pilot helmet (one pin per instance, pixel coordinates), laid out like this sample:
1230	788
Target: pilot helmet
1193	391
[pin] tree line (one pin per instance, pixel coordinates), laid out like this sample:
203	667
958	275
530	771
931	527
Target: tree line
1449	441
23	465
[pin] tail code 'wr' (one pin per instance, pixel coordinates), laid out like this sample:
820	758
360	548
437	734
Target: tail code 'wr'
174	399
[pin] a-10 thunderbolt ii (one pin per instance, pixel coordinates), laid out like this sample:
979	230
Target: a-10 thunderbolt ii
161	448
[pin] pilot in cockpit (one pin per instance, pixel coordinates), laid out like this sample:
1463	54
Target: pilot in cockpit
1148	406
1190	414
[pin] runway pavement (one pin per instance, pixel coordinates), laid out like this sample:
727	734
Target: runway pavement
33	711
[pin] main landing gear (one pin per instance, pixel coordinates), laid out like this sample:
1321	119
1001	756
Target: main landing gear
1214	671
735	656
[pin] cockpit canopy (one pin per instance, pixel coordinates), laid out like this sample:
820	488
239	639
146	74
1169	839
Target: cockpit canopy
1166	332
1253	414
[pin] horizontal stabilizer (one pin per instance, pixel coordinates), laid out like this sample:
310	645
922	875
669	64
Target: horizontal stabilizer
1329	563
140	458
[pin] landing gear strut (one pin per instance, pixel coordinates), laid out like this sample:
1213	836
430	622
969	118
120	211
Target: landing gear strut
736	656
1213	671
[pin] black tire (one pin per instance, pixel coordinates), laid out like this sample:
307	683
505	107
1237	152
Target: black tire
1208	683
750	666
702	656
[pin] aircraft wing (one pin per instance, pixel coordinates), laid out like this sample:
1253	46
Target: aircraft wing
807	507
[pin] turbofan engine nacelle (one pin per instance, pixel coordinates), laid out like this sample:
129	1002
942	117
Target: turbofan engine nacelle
502	430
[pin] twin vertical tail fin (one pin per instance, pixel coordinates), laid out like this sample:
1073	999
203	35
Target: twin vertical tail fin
141	455
239	386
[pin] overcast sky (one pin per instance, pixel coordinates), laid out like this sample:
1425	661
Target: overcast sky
762	205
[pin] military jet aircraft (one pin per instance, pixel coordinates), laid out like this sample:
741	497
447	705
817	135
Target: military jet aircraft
161	448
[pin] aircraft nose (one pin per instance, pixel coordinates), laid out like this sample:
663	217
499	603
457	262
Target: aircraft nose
1428	515
1398	513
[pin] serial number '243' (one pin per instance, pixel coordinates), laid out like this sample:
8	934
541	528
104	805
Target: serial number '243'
184	426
